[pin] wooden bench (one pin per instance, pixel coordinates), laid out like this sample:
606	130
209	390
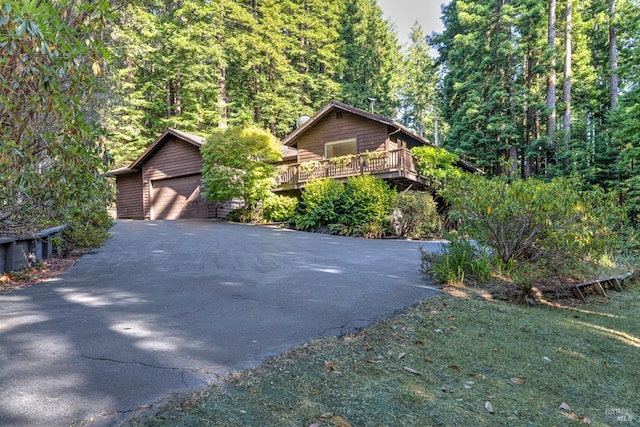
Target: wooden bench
613	282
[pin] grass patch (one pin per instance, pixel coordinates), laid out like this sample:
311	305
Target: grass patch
438	364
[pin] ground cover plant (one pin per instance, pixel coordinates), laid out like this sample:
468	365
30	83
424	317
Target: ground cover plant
460	358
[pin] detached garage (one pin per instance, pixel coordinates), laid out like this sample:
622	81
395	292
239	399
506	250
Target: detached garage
164	182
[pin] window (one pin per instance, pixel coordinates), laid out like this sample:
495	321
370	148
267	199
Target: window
343	147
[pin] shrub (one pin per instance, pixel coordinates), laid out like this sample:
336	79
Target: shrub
459	259
319	204
526	220
239	163
246	214
279	208
87	229
415	214
437	164
367	205
360	207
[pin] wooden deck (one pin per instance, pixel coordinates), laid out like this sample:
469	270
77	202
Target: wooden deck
397	166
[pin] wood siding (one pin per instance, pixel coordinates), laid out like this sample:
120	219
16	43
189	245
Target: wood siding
370	135
168	185
173	158
129	198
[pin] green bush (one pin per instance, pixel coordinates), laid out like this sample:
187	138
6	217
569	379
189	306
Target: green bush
239	163
87	229
360	207
319	204
246	214
368	203
415	215
279	208
526	220
459	259
437	164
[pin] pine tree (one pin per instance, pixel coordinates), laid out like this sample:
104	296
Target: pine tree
551	82
481	102
198	65
625	121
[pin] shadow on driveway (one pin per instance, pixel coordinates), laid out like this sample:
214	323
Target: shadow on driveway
169	306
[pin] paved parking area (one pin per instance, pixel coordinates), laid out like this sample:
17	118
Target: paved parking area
170	306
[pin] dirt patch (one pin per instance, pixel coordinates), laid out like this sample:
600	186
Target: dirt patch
38	273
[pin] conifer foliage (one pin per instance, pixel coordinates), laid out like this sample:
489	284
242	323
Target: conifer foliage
512	67
197	65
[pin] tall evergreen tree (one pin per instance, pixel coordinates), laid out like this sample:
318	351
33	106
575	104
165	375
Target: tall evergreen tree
419	87
370	58
625	118
551	82
197	65
496	56
483	51
566	77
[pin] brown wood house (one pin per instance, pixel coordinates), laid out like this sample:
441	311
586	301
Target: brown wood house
164	182
339	141
342	141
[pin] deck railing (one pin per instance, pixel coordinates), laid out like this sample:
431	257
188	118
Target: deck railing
398	163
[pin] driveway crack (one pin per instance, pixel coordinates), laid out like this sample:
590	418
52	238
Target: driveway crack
350	327
149	365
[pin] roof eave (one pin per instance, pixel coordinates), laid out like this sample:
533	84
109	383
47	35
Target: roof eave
121	171
191	139
290	139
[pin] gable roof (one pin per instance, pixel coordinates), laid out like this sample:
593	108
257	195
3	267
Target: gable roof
195	140
335	105
288	153
290	140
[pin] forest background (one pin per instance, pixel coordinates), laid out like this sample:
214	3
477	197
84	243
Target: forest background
540	88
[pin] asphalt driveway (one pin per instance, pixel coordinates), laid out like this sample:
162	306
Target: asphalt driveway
169	306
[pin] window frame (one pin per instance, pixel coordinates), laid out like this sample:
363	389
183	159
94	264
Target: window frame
353	140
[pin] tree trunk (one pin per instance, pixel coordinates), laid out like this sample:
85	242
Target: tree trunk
613	56
566	85
529	117
551	79
177	100
222	96
168	99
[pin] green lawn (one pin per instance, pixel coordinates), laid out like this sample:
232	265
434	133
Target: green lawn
455	360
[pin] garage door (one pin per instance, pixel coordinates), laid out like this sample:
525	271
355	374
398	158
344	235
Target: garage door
175	198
